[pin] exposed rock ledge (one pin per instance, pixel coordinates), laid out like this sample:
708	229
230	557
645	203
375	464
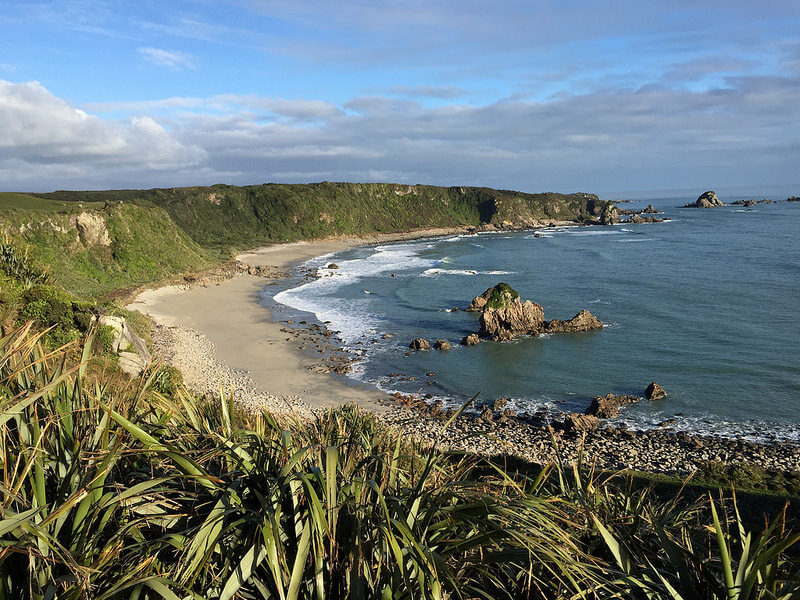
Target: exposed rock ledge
504	316
706	200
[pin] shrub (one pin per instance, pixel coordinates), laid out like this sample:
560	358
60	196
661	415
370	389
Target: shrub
105	337
20	267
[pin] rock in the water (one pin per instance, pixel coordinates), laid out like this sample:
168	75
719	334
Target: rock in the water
505	315
420	344
609	215
706	200
583	321
442	345
650	210
471	340
333	266
607	407
793	199
654	392
576	423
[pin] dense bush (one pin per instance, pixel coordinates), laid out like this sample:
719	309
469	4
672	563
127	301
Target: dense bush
20	267
134	495
49	307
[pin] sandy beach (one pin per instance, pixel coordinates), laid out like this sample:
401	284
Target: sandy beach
218	333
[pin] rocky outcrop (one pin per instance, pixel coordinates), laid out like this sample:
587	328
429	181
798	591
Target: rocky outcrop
504	316
473	339
706	200
650	210
636	219
132	350
793	199
576	423
655	392
420	344
609	215
752	202
583	321
442	345
607	407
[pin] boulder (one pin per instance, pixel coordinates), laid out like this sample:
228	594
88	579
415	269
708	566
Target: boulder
607	407
442	345
471	340
576	423
654	392
609	215
504	316
420	344
650	210
583	321
706	200
132	350
793	199
333	266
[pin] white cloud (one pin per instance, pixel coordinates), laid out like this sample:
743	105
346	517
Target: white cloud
647	138
170	59
44	136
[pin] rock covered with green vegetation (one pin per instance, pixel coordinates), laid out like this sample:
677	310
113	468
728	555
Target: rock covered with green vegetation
504	315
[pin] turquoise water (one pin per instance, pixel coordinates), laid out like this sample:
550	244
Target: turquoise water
705	304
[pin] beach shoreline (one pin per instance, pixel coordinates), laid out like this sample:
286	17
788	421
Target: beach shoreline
221	337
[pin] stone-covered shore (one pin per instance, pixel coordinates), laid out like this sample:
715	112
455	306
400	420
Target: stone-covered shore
530	439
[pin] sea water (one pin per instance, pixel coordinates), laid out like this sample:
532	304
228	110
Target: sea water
705	303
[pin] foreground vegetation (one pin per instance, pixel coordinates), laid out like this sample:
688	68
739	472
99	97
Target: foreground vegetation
113	491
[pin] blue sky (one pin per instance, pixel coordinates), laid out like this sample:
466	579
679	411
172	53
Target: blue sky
565	96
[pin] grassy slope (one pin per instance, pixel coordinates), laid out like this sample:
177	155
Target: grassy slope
145	245
242	217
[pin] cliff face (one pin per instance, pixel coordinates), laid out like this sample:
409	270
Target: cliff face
242	217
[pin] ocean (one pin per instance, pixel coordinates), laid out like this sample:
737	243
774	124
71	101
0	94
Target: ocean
706	304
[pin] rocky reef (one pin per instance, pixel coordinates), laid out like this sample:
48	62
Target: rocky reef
706	200
504	315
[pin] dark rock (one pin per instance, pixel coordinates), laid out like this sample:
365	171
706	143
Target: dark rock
471	340
500	403
654	392
576	423
583	321
442	345
607	407
650	210
706	200
793	199
333	266
486	414
420	344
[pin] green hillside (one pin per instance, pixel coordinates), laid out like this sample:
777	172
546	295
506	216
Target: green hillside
95	248
242	217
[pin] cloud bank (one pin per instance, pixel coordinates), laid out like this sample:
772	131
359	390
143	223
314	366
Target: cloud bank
744	132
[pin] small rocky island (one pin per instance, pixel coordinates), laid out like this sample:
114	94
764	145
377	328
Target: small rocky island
504	316
705	200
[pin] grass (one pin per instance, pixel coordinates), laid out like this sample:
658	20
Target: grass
14	200
109	492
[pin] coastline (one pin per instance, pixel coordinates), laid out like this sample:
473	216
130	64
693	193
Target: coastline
218	334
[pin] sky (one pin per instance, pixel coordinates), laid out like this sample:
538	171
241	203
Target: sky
571	95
